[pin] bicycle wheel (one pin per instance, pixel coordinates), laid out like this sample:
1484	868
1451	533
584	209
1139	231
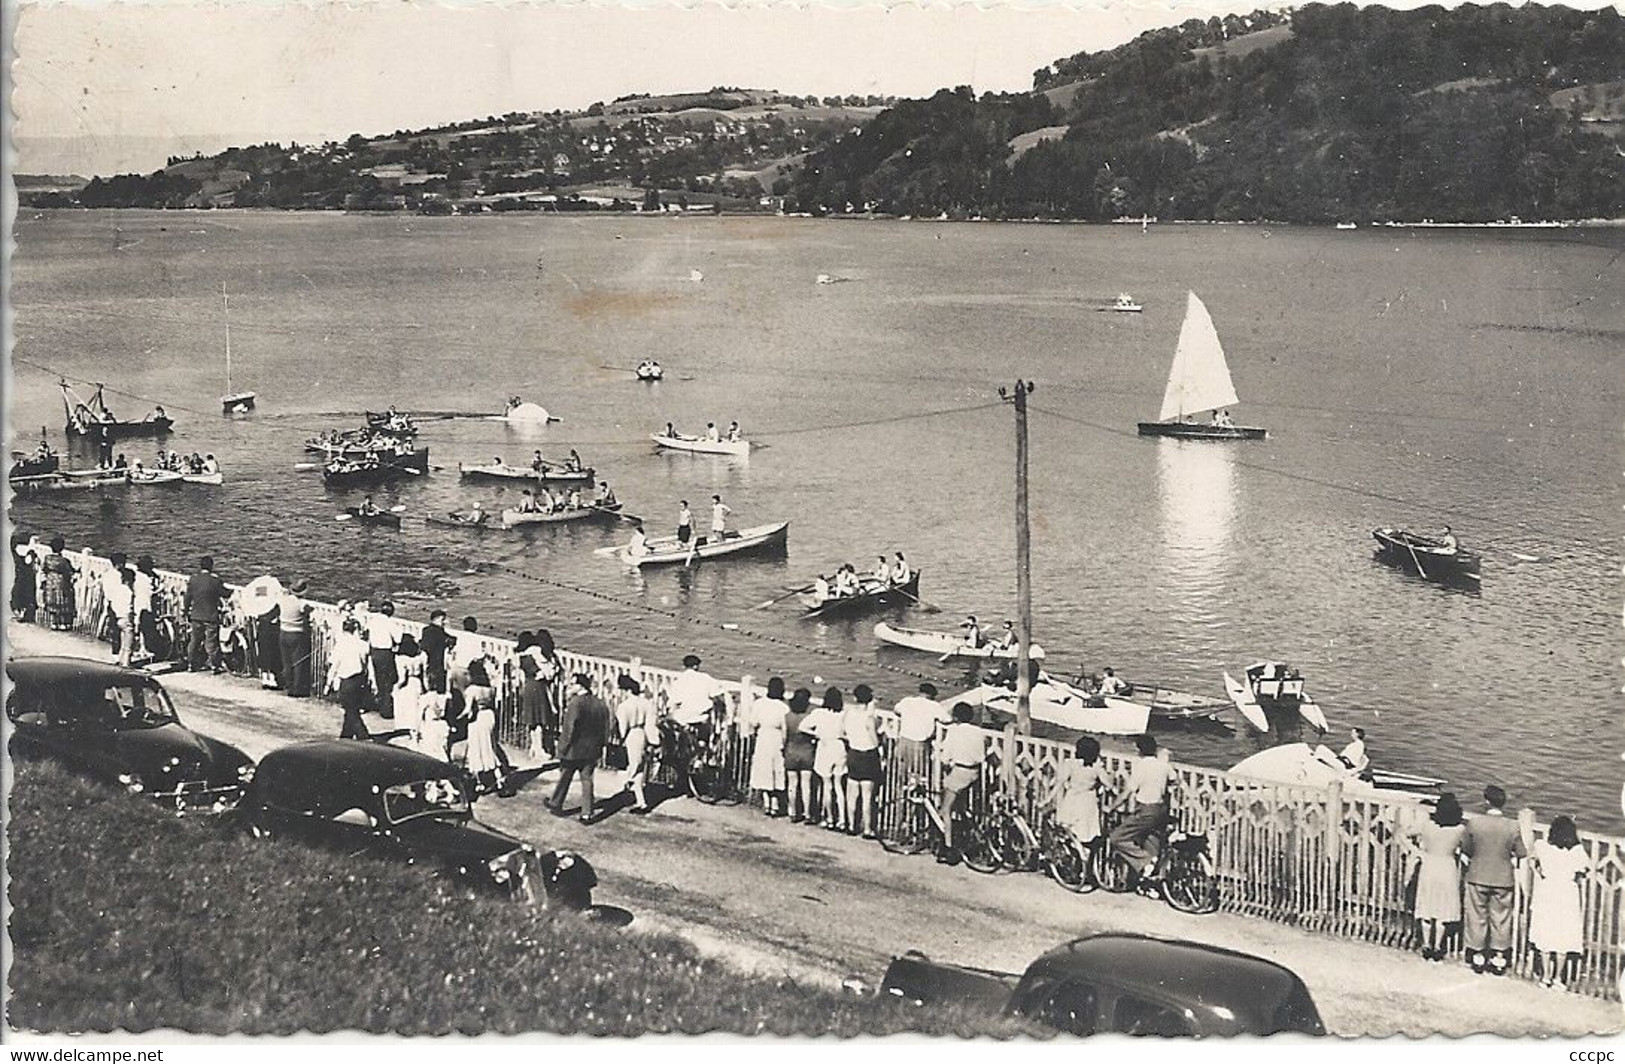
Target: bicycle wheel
1112	870
1018	850
911	836
978	846
1189	885
1069	862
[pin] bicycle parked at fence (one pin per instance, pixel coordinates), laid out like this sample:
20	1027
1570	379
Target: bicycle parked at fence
1048	845
696	756
1183	873
922	830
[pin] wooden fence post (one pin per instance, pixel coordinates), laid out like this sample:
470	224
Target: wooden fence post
1007	767
1330	902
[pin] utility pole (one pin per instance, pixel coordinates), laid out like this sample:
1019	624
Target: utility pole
1024	574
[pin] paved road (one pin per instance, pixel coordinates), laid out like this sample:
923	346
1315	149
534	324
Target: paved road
786	899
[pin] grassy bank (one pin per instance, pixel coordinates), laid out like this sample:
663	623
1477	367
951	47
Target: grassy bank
127	918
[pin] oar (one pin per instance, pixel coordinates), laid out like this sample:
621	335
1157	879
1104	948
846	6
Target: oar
1412	548
306	467
781	598
929	607
693	543
604	552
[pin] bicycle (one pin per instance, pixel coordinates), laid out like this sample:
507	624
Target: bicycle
922	830
1183	874
1017	846
698	763
1074	864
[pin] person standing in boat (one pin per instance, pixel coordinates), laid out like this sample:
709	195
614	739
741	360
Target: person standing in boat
671	431
719	518
685	523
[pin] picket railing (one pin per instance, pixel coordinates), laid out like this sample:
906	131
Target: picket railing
1328	862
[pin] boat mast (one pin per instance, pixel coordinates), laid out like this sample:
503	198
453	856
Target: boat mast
1024	573
226	301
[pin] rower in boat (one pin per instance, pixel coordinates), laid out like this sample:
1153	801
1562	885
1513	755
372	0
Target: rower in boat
882	573
821	590
719	516
606	497
476	516
536	463
1008	640
527	502
901	574
1353	755
846	582
733	432
1111	684
973	632
1447	540
573	463
639	544
671	431
367	509
711	434
575	499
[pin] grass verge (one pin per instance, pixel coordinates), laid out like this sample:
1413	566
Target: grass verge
126	918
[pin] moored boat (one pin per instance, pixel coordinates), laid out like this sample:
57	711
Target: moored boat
520	412
702	445
234	401
1429	557
1198	382
41	463
514	518
1300	765
945	643
871	595
95	420
666	550
548	474
1066	706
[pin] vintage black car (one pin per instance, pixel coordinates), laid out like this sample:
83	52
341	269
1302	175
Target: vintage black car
119	725
1128	984
364	797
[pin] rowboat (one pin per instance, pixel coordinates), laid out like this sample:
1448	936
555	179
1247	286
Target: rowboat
516	518
83	478
1272	685
548	474
390	423
1300	765
871	595
155	476
41	462
1198	382
380	518
215	478
667	551
649	370
1124	304
943	644
378	468
482	523
1066	706
1429	558
701	445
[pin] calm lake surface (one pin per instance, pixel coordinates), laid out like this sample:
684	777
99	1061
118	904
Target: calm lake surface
1407	377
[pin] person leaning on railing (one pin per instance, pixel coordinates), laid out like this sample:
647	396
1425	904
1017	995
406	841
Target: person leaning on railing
917	719
963	753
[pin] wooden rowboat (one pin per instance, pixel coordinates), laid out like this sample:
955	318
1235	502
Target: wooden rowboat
1429	558
944	643
204	478
517	518
871	595
548	474
1061	704
380	518
701	445
155	476
345	471
667	551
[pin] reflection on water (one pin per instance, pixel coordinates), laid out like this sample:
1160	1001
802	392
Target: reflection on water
1196	491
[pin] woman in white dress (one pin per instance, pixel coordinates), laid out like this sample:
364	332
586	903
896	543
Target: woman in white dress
411	668
483	761
635	718
434	734
766	721
1077	794
1555	927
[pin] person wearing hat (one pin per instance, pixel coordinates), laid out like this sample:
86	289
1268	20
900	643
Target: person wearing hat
973	631
293	639
1008	640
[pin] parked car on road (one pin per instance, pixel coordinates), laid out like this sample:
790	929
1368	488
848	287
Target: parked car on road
1128	984
366	797
120	726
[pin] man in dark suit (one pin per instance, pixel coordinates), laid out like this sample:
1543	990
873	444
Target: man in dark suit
1493	844
204	594
583	733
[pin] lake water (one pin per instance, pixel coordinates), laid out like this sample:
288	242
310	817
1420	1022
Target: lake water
1408	377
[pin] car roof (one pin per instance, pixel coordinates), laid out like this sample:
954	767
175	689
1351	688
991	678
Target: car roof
73	672
1161	968
331	775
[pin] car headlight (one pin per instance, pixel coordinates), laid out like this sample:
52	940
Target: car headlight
245	773
502	868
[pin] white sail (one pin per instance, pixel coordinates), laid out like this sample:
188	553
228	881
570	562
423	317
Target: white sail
1200	379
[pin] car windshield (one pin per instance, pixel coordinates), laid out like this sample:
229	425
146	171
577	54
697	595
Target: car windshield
436	797
140	706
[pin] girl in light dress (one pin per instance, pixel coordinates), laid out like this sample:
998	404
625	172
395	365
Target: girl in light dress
434	734
767	773
1555	925
1077	794
829	758
798	757
484	763
1438	882
411	670
636	718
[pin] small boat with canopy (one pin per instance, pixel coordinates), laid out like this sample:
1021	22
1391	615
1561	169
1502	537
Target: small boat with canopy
1198	383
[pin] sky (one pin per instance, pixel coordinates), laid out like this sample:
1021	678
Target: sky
103	88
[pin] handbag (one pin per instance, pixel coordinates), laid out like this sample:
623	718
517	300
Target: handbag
615	757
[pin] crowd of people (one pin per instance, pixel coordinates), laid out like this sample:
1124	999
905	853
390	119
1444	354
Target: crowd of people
194	463
821	764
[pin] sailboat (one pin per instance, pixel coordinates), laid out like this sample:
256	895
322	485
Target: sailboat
1199	382
232	402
